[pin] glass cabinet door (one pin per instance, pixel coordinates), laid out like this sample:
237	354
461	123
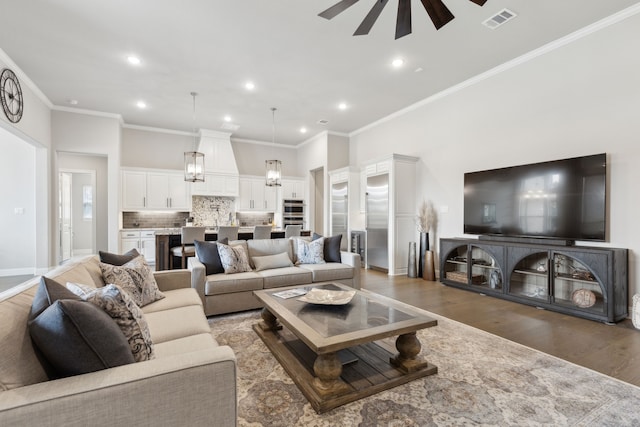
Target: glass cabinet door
485	271
530	277
455	266
575	285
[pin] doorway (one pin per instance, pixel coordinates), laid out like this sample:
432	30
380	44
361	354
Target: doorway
76	212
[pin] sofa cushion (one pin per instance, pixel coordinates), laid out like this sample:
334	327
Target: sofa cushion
229	283
207	253
77	337
329	271
289	276
234	258
78	271
124	311
310	252
118	259
173	299
185	345
331	247
263	247
135	277
177	323
272	261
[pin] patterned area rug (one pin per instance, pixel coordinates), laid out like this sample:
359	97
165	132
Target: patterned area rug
482	380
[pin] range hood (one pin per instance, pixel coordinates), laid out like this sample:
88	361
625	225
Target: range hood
218	154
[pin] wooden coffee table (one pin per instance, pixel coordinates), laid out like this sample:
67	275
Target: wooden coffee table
329	350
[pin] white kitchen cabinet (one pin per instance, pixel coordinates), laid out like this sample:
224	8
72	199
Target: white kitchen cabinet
216	185
155	190
256	196
293	189
134	190
143	241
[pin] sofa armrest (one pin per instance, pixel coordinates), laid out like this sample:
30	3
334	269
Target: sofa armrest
353	260
172	279
167	391
198	276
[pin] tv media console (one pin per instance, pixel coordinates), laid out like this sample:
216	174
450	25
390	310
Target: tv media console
588	282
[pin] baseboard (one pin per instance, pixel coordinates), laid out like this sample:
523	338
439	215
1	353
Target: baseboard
17	271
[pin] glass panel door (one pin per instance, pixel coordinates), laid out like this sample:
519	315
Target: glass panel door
575	285
530	277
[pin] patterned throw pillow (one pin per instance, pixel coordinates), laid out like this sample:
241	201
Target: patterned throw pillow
234	258
310	252
136	278
124	311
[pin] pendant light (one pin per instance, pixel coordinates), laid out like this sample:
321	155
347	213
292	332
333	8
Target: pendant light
193	160
274	167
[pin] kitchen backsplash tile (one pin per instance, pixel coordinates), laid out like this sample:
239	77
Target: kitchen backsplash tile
212	211
248	219
154	219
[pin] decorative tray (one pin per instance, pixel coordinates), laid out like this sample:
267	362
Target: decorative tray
327	297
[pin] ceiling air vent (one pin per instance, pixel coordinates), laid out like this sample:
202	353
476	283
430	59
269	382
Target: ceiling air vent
323	122
499	18
230	126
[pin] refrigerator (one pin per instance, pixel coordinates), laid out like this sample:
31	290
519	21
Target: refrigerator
377	222
339	213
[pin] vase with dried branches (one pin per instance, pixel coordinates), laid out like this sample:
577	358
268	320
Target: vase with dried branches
425	221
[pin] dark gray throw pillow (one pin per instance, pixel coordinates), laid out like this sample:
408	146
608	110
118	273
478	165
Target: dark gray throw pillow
207	253
49	291
331	247
118	259
77	337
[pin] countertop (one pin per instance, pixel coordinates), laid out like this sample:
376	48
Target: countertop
213	230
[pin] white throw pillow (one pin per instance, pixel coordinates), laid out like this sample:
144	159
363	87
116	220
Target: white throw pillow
267	262
234	259
310	252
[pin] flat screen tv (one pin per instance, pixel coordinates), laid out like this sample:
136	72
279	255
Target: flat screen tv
561	199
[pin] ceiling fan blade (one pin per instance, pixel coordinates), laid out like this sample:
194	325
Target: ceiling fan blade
371	18
479	2
439	13
338	8
403	22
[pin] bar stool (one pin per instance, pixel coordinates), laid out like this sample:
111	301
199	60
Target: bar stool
292	230
262	232
227	231
187	249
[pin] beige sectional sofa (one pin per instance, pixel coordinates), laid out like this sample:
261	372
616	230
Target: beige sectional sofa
226	293
189	365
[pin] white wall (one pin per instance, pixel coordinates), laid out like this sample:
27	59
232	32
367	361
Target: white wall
167	148
582	98
97	135
17	173
250	158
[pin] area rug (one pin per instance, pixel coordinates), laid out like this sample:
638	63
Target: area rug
482	379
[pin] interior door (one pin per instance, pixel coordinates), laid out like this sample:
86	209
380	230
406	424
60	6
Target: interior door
65	215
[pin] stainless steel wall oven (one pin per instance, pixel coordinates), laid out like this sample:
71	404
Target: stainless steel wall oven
293	212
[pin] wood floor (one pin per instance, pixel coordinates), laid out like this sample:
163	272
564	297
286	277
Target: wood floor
7	282
613	350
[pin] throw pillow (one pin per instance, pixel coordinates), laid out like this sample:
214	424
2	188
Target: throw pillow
76	337
310	252
136	278
331	247
234	258
272	261
118	259
124	311
207	253
49	291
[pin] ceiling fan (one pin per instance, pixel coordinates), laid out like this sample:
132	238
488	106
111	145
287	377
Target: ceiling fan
438	12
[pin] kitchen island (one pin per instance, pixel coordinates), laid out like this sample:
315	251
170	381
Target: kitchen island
170	238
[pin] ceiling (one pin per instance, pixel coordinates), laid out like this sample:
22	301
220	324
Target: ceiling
300	63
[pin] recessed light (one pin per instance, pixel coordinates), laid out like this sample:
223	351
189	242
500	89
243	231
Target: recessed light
249	85
73	101
418	70
141	104
133	60
227	118
342	106
397	63
303	130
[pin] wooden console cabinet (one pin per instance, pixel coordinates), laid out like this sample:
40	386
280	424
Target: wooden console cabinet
589	282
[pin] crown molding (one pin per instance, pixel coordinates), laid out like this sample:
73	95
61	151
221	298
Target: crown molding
549	47
24	78
88	113
158	130
265	143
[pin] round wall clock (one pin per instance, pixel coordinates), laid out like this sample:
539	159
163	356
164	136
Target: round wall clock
11	96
